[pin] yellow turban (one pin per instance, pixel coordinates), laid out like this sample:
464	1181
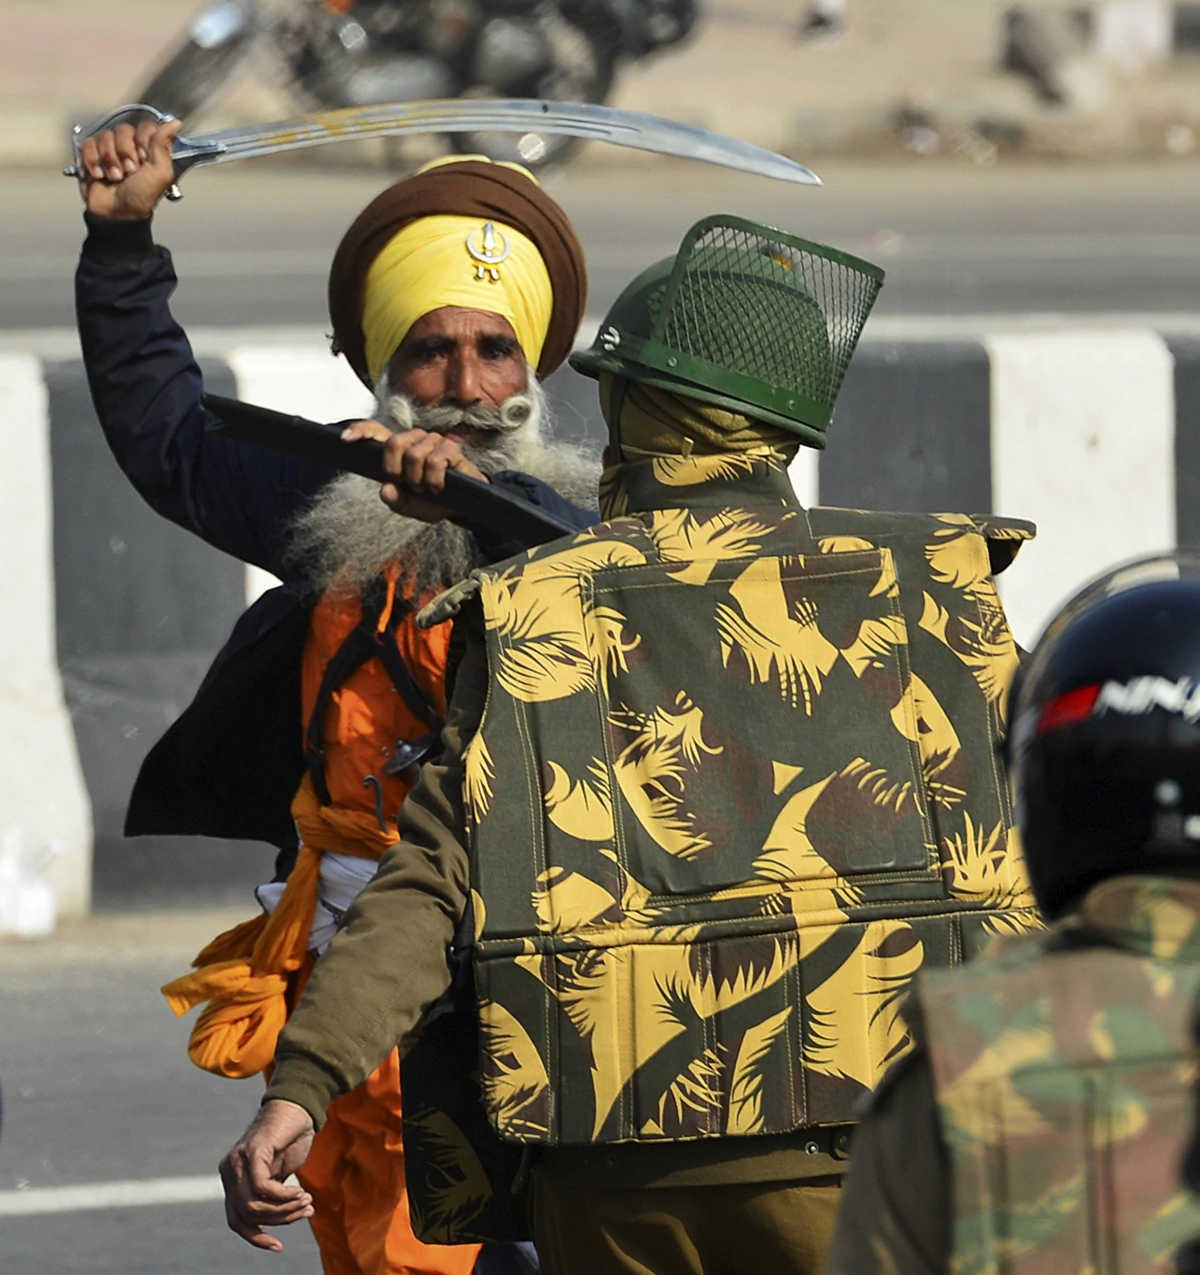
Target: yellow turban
444	260
505	195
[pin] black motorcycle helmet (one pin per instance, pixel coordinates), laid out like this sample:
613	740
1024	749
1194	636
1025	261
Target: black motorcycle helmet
1104	751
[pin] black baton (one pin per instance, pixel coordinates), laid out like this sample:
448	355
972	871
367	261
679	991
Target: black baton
475	504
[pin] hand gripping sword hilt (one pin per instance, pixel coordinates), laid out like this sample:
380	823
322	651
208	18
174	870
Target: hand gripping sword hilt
184	152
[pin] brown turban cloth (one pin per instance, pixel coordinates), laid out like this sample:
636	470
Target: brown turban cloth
472	188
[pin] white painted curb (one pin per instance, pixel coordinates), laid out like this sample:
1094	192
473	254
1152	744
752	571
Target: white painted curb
43	798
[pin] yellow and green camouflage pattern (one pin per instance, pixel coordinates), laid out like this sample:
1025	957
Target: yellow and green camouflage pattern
1064	1066
735	783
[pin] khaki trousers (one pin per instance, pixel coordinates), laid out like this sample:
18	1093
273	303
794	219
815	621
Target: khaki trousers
784	1228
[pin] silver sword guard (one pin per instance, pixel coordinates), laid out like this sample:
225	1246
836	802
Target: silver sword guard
184	153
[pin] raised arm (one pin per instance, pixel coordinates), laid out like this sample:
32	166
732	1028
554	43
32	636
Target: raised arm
147	387
144	380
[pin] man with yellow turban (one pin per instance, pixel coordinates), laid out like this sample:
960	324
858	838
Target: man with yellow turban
718	775
451	295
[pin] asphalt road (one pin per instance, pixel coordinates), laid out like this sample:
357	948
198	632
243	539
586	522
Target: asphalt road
97	1090
252	242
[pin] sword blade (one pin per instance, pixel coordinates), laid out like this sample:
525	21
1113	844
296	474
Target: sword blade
501	115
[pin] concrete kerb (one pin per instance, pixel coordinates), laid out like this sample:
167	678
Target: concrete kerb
1007	419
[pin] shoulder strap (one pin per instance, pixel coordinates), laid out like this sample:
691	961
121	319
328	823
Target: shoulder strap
363	642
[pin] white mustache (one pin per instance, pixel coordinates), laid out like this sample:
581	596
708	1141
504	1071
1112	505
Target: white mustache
515	412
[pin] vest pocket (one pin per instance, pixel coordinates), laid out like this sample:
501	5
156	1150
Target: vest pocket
790	674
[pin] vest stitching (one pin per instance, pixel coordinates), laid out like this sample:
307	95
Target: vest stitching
795	1040
589	939
536	816
553	1046
929	875
668	563
999	781
603	709
908	699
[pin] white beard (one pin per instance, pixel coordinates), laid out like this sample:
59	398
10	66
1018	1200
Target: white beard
346	535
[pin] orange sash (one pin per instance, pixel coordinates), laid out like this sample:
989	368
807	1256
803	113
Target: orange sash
243	974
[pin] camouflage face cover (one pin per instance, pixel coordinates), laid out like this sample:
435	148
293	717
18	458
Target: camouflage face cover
744	317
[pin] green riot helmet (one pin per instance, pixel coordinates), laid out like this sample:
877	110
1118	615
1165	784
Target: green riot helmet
744	317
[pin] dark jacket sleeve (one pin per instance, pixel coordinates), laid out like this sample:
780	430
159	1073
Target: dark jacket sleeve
391	960
897	1207
146	388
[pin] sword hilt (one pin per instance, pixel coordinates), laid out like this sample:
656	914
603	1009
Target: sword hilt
184	151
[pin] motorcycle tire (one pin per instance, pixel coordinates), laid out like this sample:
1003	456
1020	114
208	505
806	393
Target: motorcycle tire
194	71
582	70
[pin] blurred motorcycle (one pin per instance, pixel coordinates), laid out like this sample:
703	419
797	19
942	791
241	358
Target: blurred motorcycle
338	53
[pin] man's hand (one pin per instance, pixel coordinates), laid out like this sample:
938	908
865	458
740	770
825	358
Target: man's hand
127	170
274	1146
419	461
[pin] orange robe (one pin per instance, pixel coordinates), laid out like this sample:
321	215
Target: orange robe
251	975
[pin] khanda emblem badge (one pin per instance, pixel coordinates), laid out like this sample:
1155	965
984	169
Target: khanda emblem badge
488	249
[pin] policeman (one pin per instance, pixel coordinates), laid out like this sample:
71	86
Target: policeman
718	775
1039	1125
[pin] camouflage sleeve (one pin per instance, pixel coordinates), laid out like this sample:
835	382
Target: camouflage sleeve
896	1211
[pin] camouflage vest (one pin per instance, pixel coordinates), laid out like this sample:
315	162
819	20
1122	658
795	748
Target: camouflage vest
1063	1067
735	781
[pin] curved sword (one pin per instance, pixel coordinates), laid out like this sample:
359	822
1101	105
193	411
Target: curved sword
462	115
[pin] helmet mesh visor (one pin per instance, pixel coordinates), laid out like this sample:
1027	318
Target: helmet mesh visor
775	309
